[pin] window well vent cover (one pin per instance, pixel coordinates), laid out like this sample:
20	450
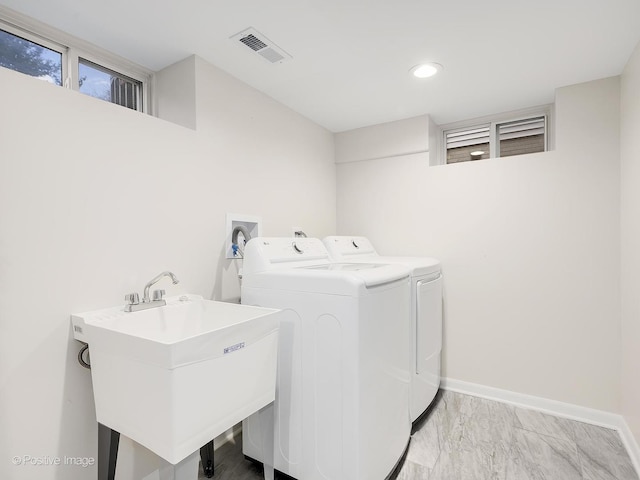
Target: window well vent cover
261	45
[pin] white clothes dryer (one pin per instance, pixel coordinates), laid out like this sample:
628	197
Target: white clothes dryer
341	407
426	313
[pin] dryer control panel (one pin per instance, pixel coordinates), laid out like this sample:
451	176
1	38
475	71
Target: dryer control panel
345	247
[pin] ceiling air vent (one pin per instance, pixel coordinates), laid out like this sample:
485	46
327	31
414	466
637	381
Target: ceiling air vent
260	44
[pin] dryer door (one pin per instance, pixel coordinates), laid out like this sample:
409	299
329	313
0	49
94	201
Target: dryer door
428	325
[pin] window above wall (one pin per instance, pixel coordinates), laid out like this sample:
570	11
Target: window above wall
37	50
36	57
505	135
109	85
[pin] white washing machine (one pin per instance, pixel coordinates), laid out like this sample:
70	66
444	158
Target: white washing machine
426	313
341	407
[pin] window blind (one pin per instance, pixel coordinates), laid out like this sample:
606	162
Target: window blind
521	128
464	138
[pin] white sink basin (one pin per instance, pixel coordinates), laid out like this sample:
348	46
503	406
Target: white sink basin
174	377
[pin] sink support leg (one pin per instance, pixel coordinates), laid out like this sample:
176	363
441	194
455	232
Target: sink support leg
108	441
206	455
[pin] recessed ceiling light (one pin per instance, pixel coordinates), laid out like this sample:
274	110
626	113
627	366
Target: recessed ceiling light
425	70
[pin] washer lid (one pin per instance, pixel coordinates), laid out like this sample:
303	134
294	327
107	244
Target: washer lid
417	265
334	279
345	267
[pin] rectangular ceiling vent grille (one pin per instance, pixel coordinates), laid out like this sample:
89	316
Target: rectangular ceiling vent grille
253	42
261	45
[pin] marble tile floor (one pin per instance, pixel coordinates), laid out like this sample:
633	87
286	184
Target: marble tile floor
467	437
470	438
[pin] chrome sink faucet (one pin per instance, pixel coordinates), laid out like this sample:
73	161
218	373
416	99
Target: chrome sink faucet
133	300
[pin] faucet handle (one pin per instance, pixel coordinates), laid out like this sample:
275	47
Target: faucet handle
132	299
158	294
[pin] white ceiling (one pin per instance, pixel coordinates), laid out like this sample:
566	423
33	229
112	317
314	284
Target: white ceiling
351	57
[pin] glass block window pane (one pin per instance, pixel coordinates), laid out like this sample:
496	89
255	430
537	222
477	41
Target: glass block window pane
28	57
105	84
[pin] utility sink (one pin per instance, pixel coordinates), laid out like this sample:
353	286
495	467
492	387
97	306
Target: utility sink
174	377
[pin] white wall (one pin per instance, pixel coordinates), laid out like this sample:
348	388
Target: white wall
630	211
529	246
95	200
403	137
174	93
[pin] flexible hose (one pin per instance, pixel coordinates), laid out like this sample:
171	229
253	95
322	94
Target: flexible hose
234	239
81	360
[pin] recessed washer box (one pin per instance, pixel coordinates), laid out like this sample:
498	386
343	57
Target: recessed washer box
252	224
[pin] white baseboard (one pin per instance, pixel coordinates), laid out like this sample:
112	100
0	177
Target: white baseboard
631	444
552	407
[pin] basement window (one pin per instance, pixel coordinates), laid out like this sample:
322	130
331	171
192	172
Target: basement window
467	144
100	82
502	136
32	56
64	61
